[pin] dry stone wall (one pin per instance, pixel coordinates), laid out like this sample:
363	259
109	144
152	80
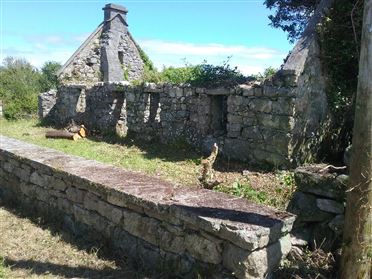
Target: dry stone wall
257	124
165	226
85	65
319	203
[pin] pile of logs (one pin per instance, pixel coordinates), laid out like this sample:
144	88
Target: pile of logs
72	132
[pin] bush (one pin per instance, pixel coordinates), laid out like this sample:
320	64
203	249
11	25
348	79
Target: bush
48	79
268	72
201	75
19	88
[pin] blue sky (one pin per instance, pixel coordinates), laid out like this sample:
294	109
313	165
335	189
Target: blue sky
168	31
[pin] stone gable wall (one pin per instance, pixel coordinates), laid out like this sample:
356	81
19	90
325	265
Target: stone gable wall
178	229
85	67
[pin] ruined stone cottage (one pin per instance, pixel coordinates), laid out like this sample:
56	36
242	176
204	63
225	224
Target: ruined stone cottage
108	54
278	122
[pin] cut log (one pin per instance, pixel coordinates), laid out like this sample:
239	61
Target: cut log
83	131
62	134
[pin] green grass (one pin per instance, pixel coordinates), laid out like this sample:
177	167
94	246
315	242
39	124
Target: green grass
3	268
177	162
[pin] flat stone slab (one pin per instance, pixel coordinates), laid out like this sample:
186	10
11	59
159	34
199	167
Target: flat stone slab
247	225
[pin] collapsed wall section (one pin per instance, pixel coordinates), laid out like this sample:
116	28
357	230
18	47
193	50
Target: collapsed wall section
163	225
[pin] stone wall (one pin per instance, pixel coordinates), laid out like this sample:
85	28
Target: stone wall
179	229
319	204
46	102
85	65
253	123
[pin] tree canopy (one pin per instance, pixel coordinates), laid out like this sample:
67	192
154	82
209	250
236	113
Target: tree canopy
20	84
291	15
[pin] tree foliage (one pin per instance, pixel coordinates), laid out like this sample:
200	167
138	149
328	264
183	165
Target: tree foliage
19	87
291	15
20	84
200	75
340	34
49	78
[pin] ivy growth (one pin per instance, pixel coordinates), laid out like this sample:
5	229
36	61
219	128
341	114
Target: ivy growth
340	34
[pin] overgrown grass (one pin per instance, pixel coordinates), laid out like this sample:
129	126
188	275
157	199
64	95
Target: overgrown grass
3	268
306	264
32	247
273	189
176	162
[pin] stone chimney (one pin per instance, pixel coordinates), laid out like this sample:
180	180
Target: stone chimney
114	28
110	12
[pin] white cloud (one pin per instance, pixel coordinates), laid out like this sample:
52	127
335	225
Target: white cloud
249	60
38	56
37	49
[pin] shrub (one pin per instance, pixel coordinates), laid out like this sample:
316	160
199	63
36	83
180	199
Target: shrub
201	75
19	88
48	79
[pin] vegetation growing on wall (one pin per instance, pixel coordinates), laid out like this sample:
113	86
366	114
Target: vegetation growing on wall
340	43
200	75
20	84
340	35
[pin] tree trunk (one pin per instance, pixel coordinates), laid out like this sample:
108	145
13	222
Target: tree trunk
357	241
62	134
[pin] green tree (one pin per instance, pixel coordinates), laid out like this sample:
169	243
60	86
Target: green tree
291	15
19	87
49	79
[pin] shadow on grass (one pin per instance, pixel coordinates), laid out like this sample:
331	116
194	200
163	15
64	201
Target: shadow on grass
87	242
175	151
44	268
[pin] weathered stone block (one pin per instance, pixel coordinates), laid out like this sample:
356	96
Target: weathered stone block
330	206
111	212
65	205
261	105
91	201
57	184
328	185
204	249
22	173
337	224
306	209
257	264
37	179
75	195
